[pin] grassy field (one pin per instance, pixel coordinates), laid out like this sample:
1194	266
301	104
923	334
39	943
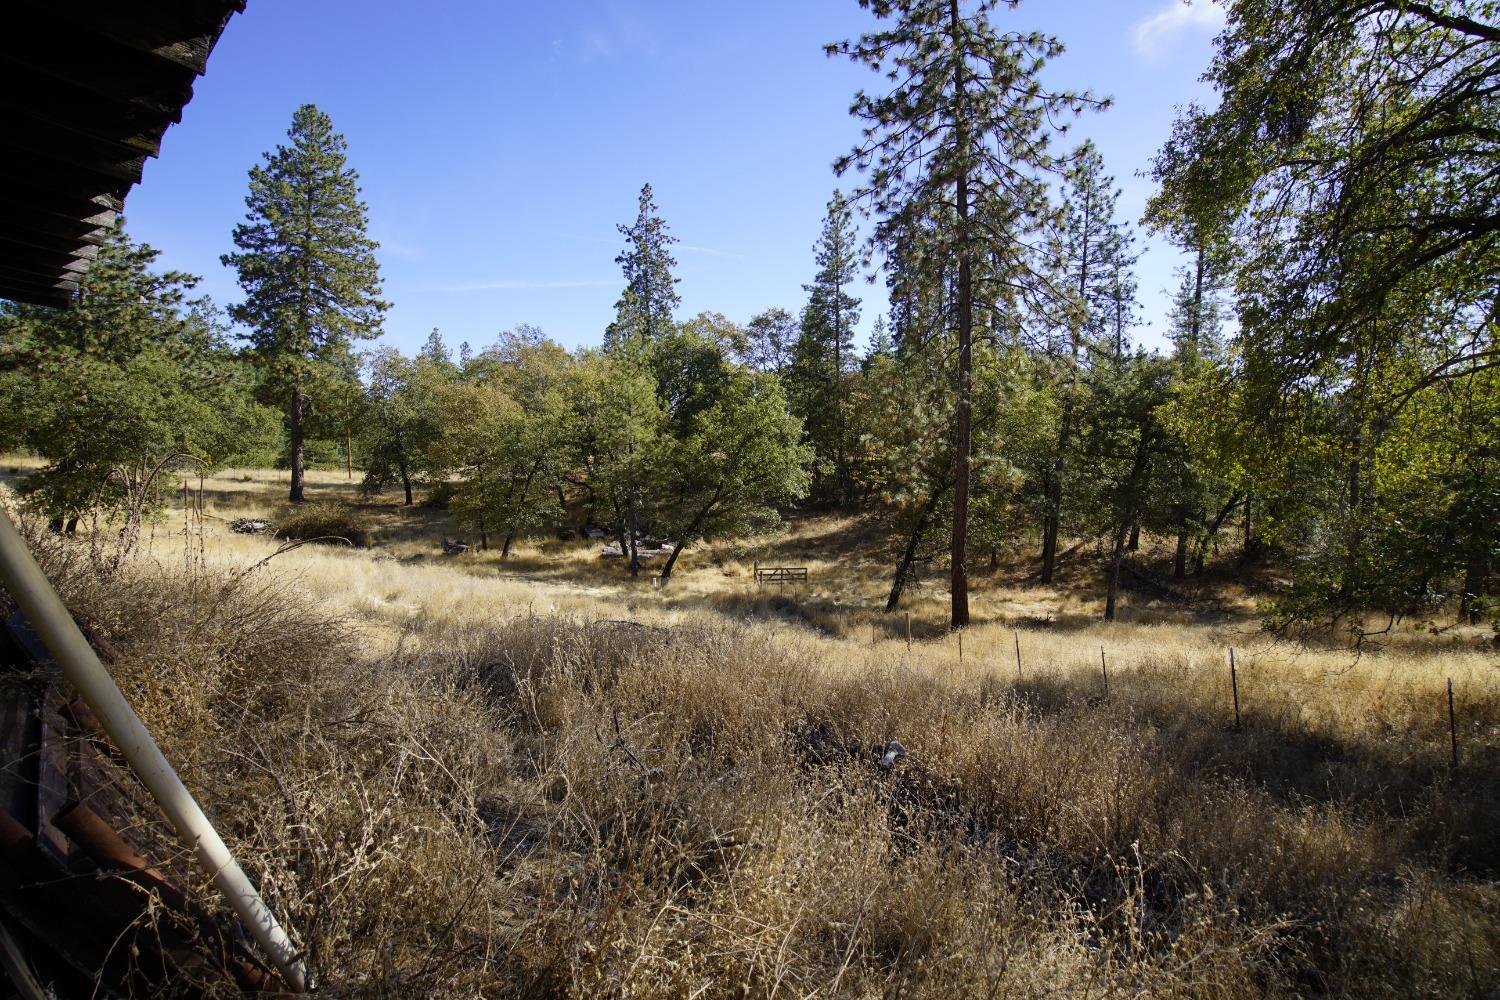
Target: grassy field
462	776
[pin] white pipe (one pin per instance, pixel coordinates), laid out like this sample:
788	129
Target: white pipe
29	588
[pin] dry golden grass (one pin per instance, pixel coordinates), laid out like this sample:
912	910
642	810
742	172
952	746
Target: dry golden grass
461	776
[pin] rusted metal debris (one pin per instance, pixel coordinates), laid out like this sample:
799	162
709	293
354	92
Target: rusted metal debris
94	889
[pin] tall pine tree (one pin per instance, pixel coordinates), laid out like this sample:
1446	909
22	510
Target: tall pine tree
644	312
308	268
824	355
965	125
1095	263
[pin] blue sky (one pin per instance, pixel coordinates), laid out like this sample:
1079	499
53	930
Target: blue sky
498	144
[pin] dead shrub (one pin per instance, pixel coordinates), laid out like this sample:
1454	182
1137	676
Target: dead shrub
323	522
556	806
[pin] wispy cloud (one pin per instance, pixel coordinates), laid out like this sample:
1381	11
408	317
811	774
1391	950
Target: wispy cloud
683	247
400	250
619	31
1153	35
609	241
710	251
524	285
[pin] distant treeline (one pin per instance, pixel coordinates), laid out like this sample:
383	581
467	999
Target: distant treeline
1329	397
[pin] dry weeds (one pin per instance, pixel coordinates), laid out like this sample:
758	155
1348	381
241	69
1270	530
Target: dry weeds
458	777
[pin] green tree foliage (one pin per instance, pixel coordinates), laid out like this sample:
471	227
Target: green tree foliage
1125	444
824	355
736	462
961	136
644	311
1196	324
771	337
1350	168
505	436
1205	486
307	267
731	339
1097	288
1353	152
404	415
902	423
133	380
618	424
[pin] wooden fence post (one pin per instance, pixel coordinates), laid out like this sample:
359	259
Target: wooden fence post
1104	669
1452	725
908	631
1018	657
960	645
1234	687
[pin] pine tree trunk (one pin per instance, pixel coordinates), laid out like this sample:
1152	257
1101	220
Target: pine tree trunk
1052	522
958	555
838	394
510	537
1476	573
1135	537
295	434
1197	324
1049	543
1179	560
1129	518
635	557
633	514
1065	428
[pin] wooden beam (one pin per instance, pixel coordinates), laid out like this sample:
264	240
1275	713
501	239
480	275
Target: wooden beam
55	282
180	33
43	179
116	120
87	89
47	243
54	285
65	219
35	295
21	220
53	48
46	274
44	262
101	156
